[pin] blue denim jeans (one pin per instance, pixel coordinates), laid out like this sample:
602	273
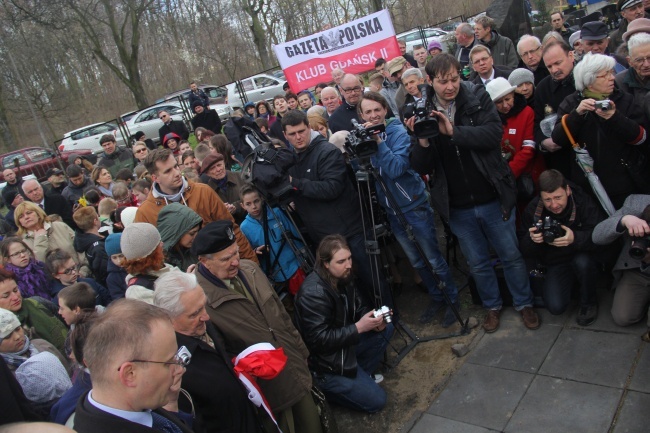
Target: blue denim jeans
361	392
560	278
423	228
480	227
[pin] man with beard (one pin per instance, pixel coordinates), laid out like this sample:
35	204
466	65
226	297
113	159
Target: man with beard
346	341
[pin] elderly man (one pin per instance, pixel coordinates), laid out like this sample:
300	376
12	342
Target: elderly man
501	47
341	118
484	69
244	307
136	368
396	68
594	37
51	203
529	49
337	77
636	80
630	10
465	40
220	401
169	186
330	99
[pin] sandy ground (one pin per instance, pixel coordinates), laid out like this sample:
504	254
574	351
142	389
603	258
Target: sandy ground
415	382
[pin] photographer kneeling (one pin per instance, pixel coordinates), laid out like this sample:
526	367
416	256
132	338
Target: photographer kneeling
408	191
345	338
633	265
560	223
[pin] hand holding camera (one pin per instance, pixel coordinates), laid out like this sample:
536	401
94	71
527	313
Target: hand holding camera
370	322
551	232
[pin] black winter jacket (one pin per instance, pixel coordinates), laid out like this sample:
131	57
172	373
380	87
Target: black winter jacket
478	129
588	215
175	126
93	247
326	199
341	118
209	119
325	317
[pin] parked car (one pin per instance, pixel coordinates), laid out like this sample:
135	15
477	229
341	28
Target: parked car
148	122
258	87
414	37
37	160
216	94
87	138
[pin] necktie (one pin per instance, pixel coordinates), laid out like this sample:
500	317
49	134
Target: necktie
238	287
487	81
164	425
41	206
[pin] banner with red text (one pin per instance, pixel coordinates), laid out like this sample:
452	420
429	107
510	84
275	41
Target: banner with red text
353	47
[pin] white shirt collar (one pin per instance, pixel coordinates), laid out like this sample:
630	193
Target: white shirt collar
491	77
142	418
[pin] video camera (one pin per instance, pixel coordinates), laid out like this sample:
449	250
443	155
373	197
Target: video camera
550	229
425	126
360	142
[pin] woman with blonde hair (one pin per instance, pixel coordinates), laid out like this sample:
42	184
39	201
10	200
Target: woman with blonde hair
41	235
319	124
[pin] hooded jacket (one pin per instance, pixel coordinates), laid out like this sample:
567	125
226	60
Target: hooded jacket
503	50
73	192
92	246
477	130
392	160
202	200
326	200
173	222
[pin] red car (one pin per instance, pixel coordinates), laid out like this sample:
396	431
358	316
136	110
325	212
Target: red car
37	160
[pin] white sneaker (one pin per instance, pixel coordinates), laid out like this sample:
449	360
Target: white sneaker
377	377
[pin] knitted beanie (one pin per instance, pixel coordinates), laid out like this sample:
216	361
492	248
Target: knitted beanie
139	240
520	76
112	244
8	322
128	215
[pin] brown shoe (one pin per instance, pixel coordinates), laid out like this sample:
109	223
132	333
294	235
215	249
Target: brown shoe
531	319
491	322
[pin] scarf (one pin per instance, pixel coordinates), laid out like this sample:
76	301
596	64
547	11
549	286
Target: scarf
31	280
174	198
106	192
15	360
594	95
221	184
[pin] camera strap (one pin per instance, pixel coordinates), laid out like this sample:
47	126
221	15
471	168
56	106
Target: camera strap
540	209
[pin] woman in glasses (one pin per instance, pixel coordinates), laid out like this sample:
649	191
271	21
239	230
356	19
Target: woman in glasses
64	272
28	272
42	236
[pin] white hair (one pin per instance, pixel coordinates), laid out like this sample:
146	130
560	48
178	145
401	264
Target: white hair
465	29
330	89
525	38
30	181
412	71
170	287
637	40
591	65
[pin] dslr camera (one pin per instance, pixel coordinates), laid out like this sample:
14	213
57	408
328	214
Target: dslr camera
361	142
550	229
425	126
384	312
603	105
639	247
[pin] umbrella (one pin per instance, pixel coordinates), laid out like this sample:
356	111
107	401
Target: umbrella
586	163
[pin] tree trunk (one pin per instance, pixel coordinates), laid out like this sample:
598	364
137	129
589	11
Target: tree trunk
7	139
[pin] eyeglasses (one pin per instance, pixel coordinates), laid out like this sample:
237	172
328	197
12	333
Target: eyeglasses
641	60
69	270
18	253
164	116
607	74
352	89
144	149
530	52
182	359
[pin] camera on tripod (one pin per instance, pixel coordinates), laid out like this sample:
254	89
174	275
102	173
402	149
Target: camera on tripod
360	142
550	229
425	125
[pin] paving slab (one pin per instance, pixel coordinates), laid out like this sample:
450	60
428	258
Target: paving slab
436	424
556	405
604	322
641	378
634	416
514	347
482	396
600	358
510	315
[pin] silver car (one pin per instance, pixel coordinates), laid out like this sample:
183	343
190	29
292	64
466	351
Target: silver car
87	138
148	121
257	88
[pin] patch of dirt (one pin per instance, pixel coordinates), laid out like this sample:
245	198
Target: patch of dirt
416	381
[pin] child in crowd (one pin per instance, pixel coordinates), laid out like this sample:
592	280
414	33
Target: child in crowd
187	160
141	189
170	141
74	301
126	176
284	266
29	273
104	209
123	196
64	272
116	279
87	240
184	146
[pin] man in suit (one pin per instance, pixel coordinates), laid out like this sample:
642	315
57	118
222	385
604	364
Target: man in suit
171	125
136	368
484	70
51	203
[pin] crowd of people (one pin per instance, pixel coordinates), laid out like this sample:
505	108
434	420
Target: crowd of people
157	289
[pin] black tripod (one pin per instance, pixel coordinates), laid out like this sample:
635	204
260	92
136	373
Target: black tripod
411	339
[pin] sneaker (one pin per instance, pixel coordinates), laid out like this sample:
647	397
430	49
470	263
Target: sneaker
449	317
491	322
378	378
587	315
431	311
531	319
